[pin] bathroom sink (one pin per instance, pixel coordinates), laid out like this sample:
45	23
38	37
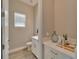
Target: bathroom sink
68	47
35	37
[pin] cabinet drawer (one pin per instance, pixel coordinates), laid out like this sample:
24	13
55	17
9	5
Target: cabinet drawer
52	50
49	54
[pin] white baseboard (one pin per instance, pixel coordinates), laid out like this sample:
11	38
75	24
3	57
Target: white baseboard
17	49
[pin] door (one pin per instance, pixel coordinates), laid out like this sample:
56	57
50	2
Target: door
4	19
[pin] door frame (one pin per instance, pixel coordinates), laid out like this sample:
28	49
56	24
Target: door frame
5	29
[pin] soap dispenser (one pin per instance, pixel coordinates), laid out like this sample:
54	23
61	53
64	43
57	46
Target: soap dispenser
65	39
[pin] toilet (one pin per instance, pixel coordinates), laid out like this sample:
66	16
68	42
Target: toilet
28	45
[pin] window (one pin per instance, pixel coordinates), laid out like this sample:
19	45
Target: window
19	19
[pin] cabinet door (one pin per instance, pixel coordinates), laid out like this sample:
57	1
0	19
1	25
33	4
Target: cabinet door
48	54
35	48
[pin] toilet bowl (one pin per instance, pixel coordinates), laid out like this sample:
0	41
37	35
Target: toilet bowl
28	45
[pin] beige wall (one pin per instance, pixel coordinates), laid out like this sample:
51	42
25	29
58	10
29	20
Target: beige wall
60	15
19	36
48	16
66	17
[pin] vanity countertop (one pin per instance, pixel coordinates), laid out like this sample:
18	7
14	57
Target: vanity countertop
50	44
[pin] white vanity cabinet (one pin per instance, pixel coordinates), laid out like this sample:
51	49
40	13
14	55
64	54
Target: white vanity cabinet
35	46
50	53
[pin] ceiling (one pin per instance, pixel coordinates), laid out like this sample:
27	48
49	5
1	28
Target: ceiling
30	2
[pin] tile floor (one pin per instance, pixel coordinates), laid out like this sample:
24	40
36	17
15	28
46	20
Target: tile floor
24	54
